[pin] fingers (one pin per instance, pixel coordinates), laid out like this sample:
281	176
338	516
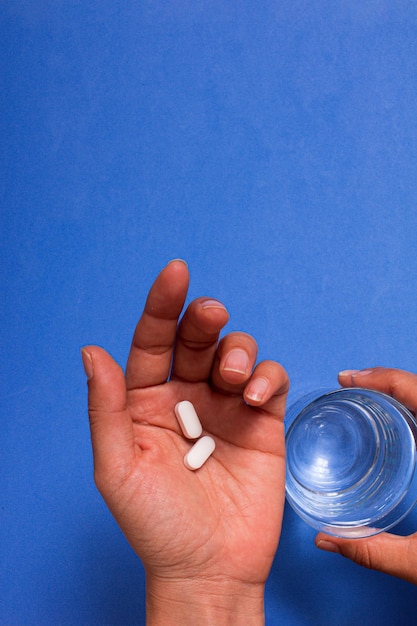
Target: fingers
234	372
397	383
150	356
234	363
387	553
268	388
384	552
197	339
110	421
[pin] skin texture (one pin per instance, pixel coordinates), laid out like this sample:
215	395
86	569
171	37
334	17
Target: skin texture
384	552
206	538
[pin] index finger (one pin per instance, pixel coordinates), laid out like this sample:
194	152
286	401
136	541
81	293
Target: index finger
150	355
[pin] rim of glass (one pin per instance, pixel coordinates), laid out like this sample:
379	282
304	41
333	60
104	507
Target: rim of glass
371	526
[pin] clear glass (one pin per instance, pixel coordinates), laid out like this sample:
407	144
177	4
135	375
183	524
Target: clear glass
351	461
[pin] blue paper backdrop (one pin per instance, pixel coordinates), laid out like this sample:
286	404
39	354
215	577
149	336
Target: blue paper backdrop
272	145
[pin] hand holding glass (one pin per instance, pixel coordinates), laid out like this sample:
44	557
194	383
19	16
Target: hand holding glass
351	461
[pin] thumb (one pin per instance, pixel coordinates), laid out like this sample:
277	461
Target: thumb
110	420
387	553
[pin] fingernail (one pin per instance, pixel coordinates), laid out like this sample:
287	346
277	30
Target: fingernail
256	390
328	546
88	363
180	260
236	361
363	373
212	304
348	372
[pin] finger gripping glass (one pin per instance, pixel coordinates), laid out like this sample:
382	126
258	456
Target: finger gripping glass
351	461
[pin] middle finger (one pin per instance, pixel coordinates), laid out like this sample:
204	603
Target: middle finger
196	341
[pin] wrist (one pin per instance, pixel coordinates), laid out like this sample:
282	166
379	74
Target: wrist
201	602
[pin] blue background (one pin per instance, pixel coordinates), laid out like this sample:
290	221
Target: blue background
272	145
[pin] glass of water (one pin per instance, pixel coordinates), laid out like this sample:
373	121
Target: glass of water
351	461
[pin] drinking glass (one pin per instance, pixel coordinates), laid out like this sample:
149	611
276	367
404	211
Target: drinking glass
351	461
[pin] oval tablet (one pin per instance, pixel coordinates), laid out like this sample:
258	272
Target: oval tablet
199	453
188	419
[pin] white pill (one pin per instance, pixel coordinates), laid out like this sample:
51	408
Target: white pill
199	453
188	420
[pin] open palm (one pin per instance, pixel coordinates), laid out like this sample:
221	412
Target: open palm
225	518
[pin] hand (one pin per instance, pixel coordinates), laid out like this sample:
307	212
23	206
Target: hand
384	552
209	534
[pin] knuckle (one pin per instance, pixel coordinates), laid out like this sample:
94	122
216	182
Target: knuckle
395	382
153	349
198	346
363	557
